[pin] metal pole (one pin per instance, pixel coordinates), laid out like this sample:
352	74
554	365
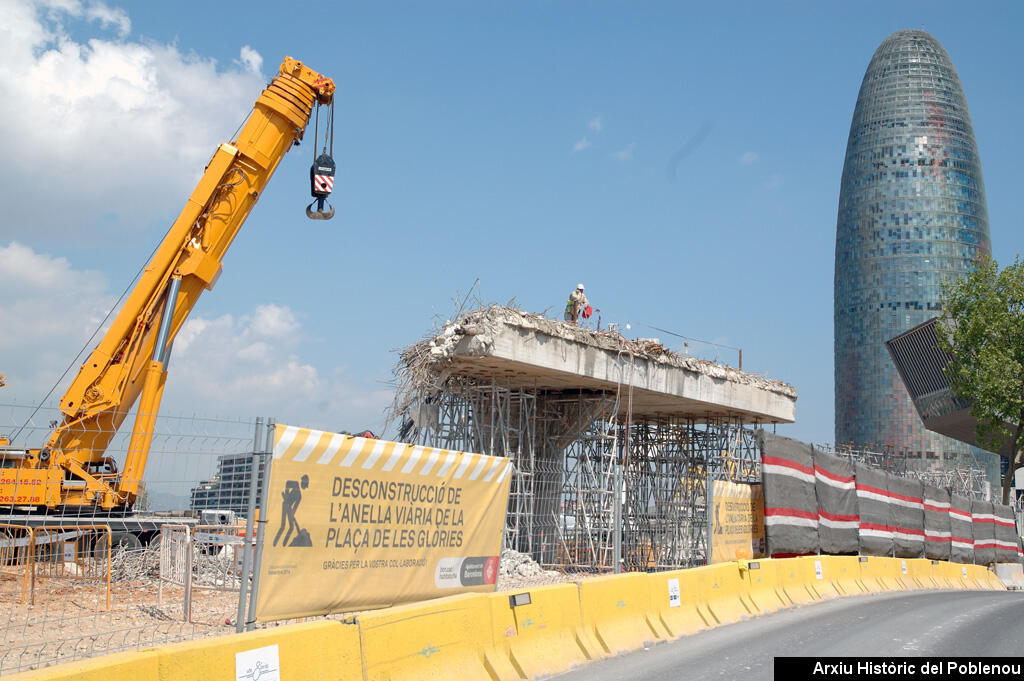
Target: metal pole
160	349
709	504
186	608
254	466
268	453
617	518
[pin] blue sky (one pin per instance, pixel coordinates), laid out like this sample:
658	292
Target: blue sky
530	145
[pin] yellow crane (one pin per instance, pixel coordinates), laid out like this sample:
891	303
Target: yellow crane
71	470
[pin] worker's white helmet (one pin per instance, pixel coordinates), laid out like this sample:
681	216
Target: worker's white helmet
579	287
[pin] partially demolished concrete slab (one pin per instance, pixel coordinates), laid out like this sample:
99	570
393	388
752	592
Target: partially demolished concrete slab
522	350
615	441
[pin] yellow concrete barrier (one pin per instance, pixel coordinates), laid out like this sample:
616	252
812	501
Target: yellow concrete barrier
794	580
889	573
984	578
921	571
822	576
957	573
540	630
447	638
905	576
140	665
942	572
974	579
678	603
871	573
725	592
761	585
846	571
318	651
615	610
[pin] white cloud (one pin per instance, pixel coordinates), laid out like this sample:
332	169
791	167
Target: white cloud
626	153
251	59
254	364
108	127
581	144
274	321
775	181
749	158
48	312
595	124
245	365
108	16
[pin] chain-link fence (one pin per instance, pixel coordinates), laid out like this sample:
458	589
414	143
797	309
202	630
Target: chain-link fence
956	477
78	580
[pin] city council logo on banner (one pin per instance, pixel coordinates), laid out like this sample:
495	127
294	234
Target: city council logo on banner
367	523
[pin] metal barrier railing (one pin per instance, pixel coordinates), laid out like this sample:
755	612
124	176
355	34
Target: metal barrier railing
200	557
16	559
72	552
218	557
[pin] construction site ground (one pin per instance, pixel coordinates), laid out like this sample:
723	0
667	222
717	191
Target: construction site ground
67	619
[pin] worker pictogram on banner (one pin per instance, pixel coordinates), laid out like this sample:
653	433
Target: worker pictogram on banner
290	498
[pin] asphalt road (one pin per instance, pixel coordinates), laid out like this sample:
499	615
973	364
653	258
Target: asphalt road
939	623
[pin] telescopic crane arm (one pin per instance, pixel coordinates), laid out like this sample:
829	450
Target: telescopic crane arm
130	363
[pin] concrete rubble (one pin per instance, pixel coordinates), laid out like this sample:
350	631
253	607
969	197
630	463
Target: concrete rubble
435	352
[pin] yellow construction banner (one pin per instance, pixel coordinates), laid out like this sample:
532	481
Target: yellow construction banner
737	523
355	523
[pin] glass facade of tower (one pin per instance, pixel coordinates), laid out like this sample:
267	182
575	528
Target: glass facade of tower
912	214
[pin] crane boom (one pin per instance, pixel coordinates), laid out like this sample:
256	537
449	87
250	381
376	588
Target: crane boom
130	362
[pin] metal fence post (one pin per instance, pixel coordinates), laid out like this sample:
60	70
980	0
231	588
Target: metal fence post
268	453
617	521
709	507
254	467
186	610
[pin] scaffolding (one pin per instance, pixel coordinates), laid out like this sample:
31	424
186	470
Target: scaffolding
584	467
965	480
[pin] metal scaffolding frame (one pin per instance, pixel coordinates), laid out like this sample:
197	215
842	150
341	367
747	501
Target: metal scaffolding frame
967	481
596	488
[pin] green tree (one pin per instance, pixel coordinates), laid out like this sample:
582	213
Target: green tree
983	331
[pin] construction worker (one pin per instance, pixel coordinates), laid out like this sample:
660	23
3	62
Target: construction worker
577	301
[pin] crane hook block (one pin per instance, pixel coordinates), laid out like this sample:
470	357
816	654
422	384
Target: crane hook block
321	181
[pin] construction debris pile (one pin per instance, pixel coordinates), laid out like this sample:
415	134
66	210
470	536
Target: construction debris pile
130	565
516	564
135	565
517	570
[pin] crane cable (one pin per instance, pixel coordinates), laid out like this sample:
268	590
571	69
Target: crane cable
328	131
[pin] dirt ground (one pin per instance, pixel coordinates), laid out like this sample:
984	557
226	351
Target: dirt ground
63	620
66	617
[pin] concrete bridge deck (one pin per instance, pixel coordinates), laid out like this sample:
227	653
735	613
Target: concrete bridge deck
522	350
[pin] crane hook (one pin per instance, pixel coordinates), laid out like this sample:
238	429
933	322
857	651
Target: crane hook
321	173
321	180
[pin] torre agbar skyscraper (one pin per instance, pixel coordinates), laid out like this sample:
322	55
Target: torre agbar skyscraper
911	214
